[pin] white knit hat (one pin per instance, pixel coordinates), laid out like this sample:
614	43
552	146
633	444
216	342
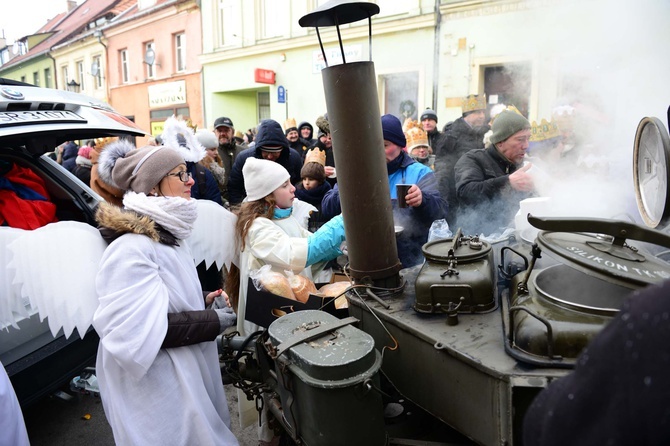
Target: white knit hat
262	177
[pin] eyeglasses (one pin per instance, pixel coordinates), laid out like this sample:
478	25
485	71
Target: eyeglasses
183	175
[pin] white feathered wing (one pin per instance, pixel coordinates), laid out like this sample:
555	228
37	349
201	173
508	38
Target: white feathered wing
54	267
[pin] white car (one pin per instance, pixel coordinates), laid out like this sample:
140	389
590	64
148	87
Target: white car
34	121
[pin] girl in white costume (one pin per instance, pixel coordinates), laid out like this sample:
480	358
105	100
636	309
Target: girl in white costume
157	365
268	234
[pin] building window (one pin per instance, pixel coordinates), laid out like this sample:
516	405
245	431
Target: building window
47	77
263	105
230	22
23	79
274	15
66	77
150	59
96	71
508	84
180	51
401	93
80	74
158	117
36	78
123	55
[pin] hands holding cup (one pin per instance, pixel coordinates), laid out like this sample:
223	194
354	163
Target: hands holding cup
409	195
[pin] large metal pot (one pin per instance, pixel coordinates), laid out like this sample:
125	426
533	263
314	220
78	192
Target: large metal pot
456	276
555	311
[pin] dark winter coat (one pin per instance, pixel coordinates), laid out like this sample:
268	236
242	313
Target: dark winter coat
184	328
228	154
313	196
487	201
205	186
69	158
83	173
301	146
619	390
289	158
435	139
460	139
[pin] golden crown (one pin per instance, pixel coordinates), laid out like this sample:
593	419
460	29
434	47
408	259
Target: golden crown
415	135
563	116
102	142
316	155
543	131
474	102
289	124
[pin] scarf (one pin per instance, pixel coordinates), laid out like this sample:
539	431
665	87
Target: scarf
280	213
174	214
397	163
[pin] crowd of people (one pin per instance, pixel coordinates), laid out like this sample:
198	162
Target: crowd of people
157	365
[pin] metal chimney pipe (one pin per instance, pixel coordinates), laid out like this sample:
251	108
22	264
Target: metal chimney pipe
358	148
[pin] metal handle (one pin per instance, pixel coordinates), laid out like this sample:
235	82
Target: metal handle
620	230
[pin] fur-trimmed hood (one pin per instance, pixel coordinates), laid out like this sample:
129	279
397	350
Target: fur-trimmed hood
113	222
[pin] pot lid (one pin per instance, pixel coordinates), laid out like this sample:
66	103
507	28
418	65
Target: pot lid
651	164
460	247
598	247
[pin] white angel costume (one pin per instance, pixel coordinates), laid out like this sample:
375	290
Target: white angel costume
154	395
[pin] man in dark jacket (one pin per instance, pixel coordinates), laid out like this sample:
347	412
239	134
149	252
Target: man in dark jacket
491	182
619	391
271	144
228	148
464	134
428	120
306	132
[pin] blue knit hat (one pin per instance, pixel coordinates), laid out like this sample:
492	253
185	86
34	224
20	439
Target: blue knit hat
392	129
270	136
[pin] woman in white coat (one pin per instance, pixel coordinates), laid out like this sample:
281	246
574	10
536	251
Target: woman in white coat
157	364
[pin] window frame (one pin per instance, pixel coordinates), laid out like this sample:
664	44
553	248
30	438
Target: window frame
124	66
180	51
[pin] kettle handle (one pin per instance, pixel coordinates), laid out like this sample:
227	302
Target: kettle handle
620	230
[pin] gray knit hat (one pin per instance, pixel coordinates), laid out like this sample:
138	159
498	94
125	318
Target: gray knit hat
126	167
506	124
428	114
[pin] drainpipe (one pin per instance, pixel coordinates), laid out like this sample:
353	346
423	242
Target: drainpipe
436	55
98	33
55	70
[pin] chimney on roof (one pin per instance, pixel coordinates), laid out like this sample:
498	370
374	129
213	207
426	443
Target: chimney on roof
71	4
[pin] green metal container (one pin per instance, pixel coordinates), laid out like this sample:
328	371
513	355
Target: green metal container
458	272
327	383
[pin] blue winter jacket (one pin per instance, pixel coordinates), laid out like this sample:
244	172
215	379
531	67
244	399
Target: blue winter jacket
416	221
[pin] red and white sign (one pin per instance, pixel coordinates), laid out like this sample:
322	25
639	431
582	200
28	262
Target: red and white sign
264	76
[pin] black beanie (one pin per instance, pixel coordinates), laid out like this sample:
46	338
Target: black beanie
270	135
392	130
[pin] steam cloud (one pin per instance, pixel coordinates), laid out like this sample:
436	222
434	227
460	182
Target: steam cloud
612	65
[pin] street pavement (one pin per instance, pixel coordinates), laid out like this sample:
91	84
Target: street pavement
80	421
